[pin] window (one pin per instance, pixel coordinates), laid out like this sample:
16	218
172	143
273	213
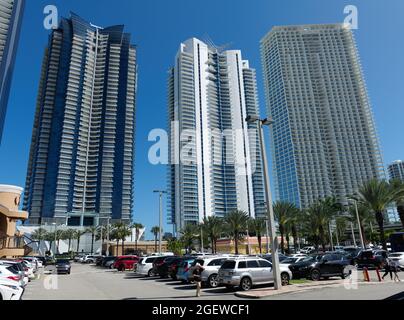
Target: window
252	264
242	265
265	264
150	260
216	262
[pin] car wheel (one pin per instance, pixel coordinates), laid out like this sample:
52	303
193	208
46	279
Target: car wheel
285	278
315	275
121	268
245	284
150	273
213	281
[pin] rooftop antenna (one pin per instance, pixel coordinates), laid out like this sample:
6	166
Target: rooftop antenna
211	44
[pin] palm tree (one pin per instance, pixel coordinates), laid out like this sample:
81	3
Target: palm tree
60	235
155	230
50	237
398	197
341	224
284	212
321	214
93	231
377	195
188	235
39	235
69	234
237	223
122	232
213	226
295	221
77	235
137	227
258	225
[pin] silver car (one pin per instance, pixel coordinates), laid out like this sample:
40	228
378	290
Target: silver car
247	272
211	265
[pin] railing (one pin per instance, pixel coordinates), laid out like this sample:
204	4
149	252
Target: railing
12	243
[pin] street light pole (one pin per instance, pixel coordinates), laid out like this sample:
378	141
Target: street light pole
160	192
267	234
107	251
353	234
271	219
359	225
54	253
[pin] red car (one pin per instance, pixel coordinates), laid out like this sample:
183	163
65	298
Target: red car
123	263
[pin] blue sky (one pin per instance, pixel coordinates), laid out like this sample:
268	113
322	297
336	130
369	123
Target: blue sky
158	27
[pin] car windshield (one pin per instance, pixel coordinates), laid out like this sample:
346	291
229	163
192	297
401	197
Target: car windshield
308	259
63	261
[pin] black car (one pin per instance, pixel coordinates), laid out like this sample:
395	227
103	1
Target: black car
371	259
320	266
269	257
63	266
98	261
108	261
163	268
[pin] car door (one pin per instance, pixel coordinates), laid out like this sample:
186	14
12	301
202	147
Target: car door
326	265
254	270
267	273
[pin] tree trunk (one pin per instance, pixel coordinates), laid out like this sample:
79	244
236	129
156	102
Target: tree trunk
236	242
287	242
78	245
92	243
363	234
294	235
57	248
322	238
70	242
380	222
260	243
155	243
281	230
400	210
123	247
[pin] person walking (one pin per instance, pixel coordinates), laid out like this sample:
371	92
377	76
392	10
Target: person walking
387	269
394	267
197	275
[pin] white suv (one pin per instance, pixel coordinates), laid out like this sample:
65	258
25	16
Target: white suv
211	265
145	266
247	272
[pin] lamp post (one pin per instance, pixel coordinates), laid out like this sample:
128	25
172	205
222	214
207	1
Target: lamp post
160	192
271	219
54	253
359	225
107	250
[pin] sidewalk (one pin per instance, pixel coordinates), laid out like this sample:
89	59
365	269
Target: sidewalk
311	285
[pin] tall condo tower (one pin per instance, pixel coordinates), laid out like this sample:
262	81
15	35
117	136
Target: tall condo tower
396	170
80	169
215	159
324	140
11	14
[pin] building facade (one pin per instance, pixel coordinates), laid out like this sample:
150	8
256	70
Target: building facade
11	13
215	159
396	170
80	170
324	137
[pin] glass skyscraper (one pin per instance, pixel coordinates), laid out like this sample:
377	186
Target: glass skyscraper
11	15
396	170
324	140
215	159
80	168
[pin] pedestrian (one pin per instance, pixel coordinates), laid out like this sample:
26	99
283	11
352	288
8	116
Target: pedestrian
197	275
394	266
387	269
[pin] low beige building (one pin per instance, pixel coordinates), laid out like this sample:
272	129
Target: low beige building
148	247
11	242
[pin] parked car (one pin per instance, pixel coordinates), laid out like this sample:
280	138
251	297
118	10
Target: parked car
10	290
34	261
307	250
98	260
158	262
321	266
399	257
211	264
108	262
63	266
145	266
41	260
247	272
269	257
89	259
371	259
183	269
163	268
10	273
123	263
78	258
298	255
173	267
290	261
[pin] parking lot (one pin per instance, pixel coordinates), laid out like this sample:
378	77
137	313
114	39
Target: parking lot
88	282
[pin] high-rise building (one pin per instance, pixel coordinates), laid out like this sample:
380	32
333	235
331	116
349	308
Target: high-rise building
215	160
80	167
324	139
11	13
396	170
